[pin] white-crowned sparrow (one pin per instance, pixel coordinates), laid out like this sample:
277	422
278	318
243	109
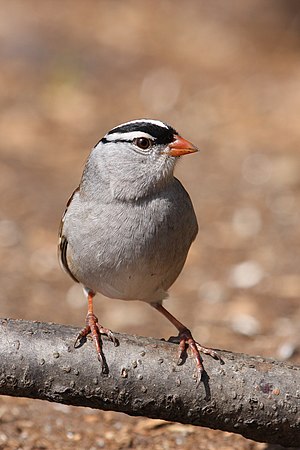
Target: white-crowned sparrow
128	227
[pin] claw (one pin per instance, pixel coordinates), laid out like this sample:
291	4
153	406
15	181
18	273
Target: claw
186	339
83	333
92	327
210	352
109	334
77	340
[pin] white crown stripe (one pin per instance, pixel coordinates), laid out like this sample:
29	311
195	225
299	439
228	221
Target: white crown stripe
151	121
129	136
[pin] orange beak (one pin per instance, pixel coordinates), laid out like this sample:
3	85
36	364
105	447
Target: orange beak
180	147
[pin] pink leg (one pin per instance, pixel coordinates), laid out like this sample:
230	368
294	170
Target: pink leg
186	338
93	327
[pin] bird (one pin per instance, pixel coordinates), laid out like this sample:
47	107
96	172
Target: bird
127	229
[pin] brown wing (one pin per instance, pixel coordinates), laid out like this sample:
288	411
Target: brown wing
63	242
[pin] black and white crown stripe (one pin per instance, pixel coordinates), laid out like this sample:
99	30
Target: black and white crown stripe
155	130
159	123
127	137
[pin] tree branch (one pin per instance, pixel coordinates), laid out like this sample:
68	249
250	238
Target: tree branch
252	396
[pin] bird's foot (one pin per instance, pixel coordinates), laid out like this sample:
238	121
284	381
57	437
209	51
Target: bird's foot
93	327
186	340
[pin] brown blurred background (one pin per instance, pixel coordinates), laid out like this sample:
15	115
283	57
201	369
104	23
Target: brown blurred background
227	76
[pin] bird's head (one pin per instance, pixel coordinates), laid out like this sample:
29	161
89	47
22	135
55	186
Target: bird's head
138	157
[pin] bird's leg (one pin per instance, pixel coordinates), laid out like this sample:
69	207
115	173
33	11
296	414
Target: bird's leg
93	327
186	339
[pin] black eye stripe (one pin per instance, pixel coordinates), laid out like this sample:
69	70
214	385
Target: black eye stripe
105	141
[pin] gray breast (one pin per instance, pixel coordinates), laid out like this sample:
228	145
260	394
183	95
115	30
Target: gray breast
131	250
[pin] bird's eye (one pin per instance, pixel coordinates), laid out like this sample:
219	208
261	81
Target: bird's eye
143	143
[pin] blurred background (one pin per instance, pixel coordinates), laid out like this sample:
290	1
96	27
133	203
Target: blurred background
226	75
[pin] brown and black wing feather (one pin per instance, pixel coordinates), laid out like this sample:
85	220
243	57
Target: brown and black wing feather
63	242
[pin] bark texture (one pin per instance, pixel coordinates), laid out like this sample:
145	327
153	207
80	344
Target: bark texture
252	396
